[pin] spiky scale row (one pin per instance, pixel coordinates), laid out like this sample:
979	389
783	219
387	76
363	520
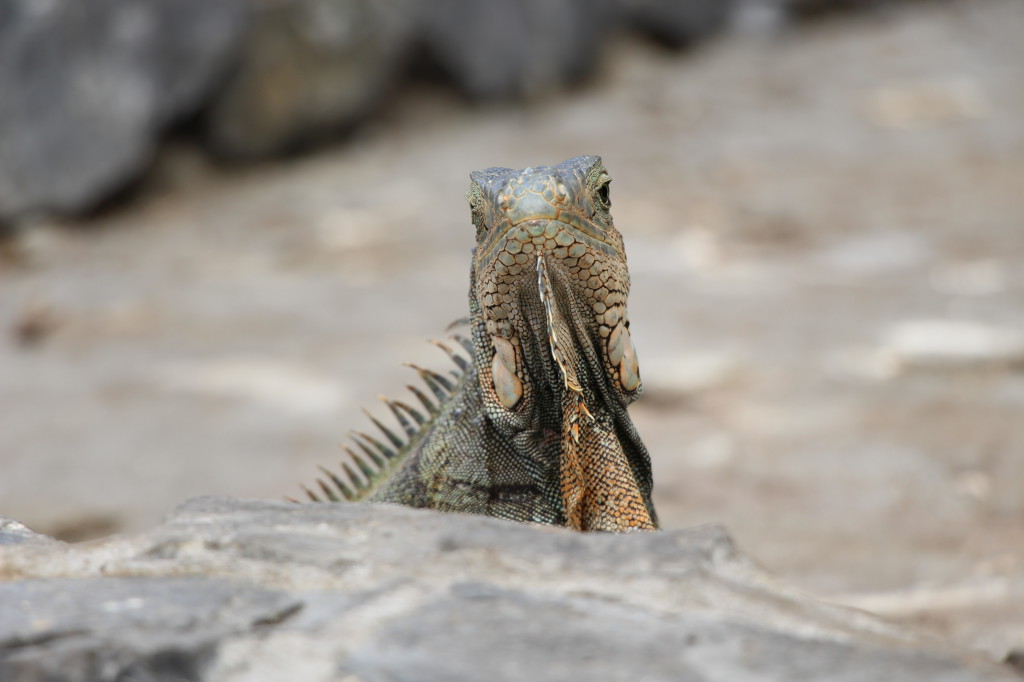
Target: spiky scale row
377	457
339	484
422	397
435	381
459	361
411	411
377	460
388	433
466	343
403	421
360	462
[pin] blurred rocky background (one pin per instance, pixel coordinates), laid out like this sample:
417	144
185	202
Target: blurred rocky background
92	91
226	224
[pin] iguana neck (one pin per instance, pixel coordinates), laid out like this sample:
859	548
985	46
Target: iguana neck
567	415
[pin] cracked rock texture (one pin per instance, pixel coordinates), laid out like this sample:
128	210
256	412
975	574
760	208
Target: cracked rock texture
232	590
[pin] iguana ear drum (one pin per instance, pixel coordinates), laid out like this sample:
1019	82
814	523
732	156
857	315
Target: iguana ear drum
622	354
507	385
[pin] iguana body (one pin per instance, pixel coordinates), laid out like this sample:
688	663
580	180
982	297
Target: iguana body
535	428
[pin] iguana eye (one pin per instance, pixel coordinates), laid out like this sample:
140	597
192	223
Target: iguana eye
604	194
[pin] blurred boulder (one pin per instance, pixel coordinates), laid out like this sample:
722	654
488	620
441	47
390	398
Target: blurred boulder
677	23
308	68
502	49
87	87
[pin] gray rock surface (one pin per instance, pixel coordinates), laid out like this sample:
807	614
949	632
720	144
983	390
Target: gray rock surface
309	68
87	88
127	628
232	590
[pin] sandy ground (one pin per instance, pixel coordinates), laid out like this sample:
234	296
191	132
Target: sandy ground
825	232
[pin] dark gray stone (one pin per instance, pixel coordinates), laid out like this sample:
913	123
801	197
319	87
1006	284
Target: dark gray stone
228	590
88	86
678	23
501	49
309	68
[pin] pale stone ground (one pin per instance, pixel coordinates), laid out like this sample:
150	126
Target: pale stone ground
825	235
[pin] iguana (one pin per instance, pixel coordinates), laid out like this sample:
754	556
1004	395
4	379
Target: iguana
535	427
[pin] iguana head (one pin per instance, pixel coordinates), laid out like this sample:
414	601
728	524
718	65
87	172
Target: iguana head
550	289
551	223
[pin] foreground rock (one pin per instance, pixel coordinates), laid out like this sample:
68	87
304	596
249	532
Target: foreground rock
229	589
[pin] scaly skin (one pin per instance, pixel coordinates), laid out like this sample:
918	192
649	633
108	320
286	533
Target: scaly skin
535	428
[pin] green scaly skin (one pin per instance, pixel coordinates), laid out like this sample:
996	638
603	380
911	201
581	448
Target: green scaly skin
535	427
